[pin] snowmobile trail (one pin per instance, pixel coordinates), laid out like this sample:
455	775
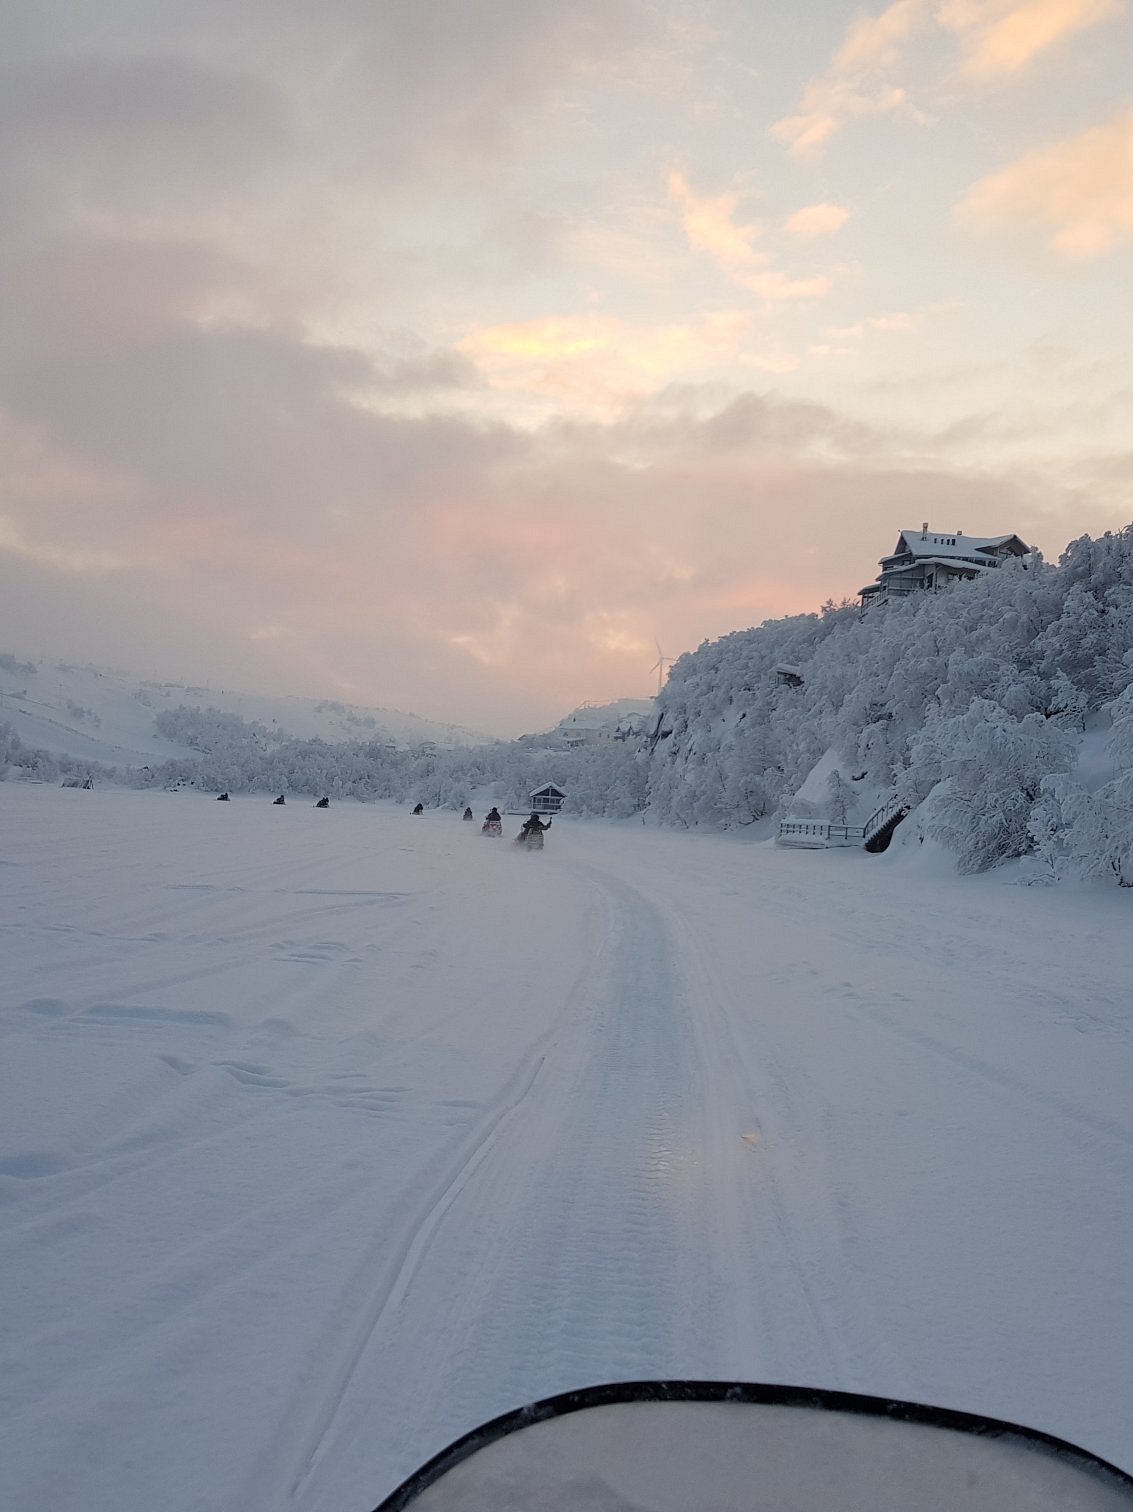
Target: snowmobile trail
293	1457
623	1223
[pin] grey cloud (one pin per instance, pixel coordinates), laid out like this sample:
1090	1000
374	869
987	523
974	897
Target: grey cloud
399	86
376	540
255	421
427	373
65	295
131	131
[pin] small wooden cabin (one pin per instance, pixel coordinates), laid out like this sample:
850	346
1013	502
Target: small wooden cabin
547	799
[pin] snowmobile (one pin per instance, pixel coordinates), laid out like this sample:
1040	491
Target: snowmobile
492	827
530	836
323	803
706	1446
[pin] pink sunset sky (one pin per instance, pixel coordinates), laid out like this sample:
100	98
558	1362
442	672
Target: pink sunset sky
442	354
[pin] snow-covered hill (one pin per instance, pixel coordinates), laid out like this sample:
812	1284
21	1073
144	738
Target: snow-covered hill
99	715
1001	710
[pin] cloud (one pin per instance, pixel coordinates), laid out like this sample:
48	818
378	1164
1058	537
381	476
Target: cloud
393	91
264	527
899	320
877	41
63	558
96	136
816	220
710	227
1078	192
709	224
598	362
1001	37
857	83
998	37
281	400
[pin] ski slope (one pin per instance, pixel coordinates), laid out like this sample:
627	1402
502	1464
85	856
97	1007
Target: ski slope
326	1135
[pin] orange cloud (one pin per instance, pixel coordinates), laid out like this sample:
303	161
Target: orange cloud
999	37
710	228
816	220
855	84
1003	36
598	361
1079	192
876	41
900	320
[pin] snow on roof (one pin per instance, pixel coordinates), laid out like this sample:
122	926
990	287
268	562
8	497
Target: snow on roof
548	787
950	543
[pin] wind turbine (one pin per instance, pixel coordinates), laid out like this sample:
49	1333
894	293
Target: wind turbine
660	664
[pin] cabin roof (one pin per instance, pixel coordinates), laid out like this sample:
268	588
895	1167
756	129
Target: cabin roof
949	543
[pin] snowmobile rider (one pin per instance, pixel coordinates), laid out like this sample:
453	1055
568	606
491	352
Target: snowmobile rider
533	826
467	814
493	816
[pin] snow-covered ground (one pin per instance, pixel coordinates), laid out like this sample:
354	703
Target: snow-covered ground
325	1135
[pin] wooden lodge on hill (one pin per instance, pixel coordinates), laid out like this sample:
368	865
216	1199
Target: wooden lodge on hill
932	559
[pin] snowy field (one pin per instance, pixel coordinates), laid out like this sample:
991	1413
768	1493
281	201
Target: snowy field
325	1135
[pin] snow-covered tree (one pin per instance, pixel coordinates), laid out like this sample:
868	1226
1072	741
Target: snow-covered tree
991	769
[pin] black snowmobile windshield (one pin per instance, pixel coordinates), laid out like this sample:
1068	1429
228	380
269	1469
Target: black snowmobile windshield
714	1447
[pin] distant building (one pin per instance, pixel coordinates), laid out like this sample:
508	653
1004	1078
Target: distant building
790	676
932	559
595	724
577	730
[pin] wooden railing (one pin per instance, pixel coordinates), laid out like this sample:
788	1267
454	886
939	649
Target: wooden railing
882	816
820	832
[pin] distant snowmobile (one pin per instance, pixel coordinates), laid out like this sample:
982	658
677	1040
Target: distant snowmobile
419	809
467	814
279	800
493	825
323	803
223	798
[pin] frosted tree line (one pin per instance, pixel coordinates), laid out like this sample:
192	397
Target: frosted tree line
971	706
